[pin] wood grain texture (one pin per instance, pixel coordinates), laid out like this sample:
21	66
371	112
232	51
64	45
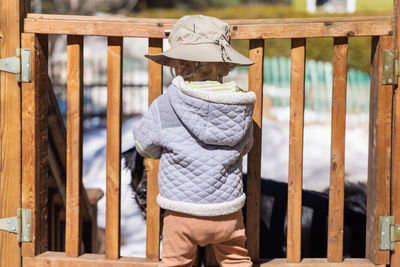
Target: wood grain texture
295	180
395	183
240	29
338	129
153	211
230	21
12	13
315	262
379	165
59	259
35	143
73	225
114	113
256	54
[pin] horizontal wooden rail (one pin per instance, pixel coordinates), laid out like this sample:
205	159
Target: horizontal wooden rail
50	258
240	29
315	262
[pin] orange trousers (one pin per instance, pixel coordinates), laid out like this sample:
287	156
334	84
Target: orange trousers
182	233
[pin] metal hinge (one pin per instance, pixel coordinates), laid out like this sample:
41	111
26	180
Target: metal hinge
20	64
389	232
20	225
390	71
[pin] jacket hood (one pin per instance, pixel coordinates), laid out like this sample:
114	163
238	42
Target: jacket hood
215	118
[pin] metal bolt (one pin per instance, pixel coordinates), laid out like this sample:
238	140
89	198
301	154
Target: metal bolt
383	233
390	80
28	225
386	67
14	228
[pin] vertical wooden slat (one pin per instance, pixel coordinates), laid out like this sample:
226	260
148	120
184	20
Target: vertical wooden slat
256	54
35	143
114	110
295	181
153	211
336	188
73	224
395	184
380	123
12	13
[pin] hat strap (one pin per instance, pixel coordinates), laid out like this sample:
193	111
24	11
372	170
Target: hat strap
222	46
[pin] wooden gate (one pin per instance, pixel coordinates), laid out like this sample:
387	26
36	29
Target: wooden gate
24	175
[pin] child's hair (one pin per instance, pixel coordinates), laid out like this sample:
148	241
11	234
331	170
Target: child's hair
200	71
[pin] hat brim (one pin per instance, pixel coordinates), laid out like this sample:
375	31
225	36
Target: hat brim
202	53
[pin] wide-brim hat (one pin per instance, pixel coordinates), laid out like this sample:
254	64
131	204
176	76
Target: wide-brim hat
203	39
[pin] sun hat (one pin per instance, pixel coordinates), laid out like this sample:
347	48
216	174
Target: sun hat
200	38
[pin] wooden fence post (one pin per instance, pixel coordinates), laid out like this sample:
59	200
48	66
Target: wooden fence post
295	181
336	187
12	13
35	143
395	199
153	211
114	113
73	223
380	123
256	54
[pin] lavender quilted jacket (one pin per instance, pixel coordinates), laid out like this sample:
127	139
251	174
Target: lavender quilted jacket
200	138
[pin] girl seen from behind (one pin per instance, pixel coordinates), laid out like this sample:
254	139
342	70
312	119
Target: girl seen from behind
200	129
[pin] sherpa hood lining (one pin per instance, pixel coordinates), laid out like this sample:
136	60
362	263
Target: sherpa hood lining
215	97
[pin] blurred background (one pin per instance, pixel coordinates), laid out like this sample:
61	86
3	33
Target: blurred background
277	51
318	88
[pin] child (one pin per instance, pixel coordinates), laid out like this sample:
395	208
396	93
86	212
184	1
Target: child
200	129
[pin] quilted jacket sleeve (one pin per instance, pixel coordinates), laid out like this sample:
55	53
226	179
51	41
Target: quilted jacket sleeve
249	140
147	133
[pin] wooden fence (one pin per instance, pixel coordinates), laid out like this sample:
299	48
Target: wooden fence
38	26
318	85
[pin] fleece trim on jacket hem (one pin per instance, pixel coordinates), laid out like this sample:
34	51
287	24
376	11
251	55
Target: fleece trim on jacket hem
215	97
213	209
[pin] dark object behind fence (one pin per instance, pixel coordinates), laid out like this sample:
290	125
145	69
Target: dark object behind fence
273	214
